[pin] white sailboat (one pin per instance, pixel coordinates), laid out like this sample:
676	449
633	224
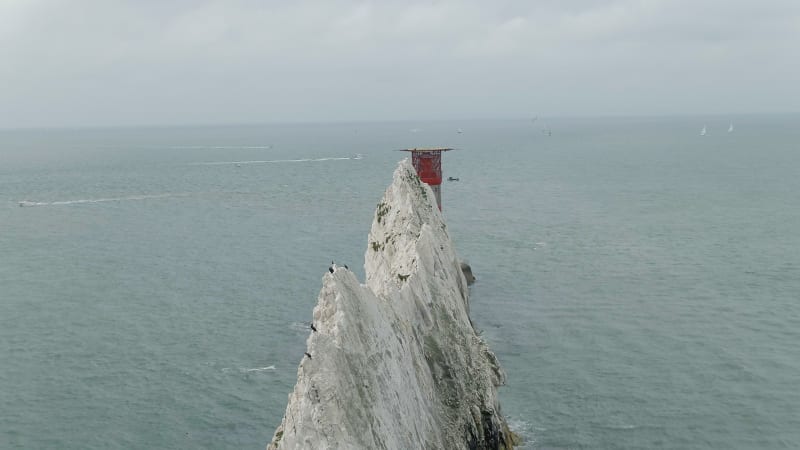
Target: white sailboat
703	131
730	128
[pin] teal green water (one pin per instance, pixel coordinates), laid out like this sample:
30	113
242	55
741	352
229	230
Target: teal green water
639	283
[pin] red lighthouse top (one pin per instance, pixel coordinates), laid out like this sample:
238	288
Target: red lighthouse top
428	163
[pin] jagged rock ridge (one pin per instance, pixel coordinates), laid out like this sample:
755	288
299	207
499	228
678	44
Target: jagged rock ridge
396	363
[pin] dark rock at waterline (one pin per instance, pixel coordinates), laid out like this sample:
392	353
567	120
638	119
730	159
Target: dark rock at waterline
467	270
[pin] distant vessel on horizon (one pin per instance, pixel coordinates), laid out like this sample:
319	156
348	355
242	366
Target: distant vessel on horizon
703	131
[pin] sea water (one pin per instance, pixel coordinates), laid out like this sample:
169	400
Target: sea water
639	283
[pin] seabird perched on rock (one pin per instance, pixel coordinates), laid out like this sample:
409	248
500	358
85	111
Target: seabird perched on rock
308	354
313	328
332	267
346	268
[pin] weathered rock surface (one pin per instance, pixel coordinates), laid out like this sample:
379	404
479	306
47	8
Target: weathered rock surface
395	363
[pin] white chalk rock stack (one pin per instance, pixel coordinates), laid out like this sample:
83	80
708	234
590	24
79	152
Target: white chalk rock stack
396	363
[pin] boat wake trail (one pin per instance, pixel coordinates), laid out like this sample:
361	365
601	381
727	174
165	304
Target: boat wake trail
260	369
246	370
276	161
304	327
27	203
219	147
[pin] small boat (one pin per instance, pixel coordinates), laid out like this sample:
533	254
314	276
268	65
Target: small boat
459	131
703	131
452	178
730	128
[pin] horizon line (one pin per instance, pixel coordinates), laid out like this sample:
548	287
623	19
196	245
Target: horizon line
376	121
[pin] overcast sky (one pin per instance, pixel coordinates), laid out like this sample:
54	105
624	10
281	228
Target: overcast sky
134	62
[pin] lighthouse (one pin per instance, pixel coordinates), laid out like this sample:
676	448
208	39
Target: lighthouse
428	164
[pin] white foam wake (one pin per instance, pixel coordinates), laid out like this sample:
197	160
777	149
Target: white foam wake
28	203
300	326
220	147
246	370
275	161
260	369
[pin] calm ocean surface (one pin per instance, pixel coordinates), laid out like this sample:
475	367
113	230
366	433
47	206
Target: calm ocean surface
640	284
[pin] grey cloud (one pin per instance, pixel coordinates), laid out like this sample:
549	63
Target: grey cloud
131	62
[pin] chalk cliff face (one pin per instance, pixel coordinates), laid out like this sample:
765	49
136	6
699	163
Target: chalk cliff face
395	363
